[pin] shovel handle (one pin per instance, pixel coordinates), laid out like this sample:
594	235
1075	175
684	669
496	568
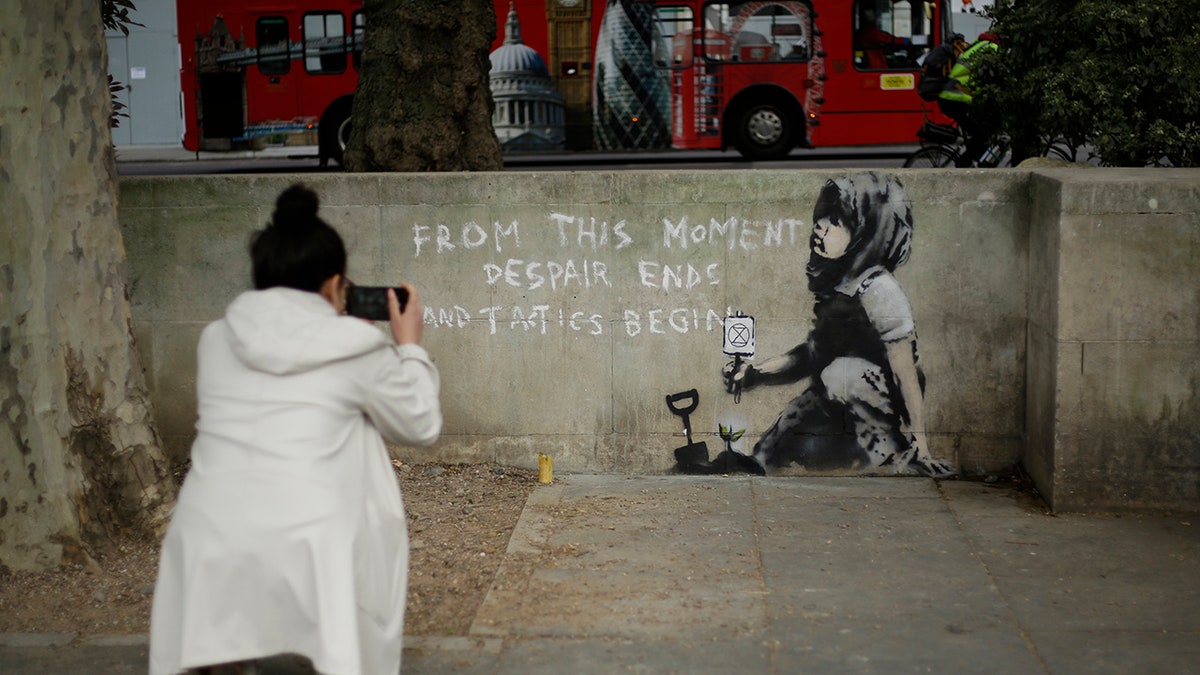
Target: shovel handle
737	391
684	410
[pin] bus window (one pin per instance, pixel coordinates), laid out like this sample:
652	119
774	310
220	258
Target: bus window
359	21
271	33
672	46
890	35
757	31
324	43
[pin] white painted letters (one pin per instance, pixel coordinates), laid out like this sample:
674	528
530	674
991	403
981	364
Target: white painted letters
552	293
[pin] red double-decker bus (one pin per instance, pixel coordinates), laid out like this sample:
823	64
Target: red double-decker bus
257	73
763	76
767	75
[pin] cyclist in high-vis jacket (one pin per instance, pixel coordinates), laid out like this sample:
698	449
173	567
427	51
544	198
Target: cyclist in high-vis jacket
955	101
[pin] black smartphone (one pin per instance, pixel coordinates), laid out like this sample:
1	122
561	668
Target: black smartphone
370	302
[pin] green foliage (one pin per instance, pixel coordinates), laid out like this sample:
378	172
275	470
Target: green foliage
114	117
728	434
1122	77
116	17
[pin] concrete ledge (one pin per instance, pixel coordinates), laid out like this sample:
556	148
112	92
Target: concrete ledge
37	639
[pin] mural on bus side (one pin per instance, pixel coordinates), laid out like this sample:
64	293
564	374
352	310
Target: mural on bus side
631	106
656	85
860	406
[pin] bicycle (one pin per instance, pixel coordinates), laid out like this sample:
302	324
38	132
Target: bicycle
942	145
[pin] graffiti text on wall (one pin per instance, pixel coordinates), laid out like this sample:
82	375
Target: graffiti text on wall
584	265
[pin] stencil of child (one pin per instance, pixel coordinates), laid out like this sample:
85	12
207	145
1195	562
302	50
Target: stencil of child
861	405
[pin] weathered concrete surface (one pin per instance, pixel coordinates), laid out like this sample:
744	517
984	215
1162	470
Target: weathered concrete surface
1114	332
608	574
563	307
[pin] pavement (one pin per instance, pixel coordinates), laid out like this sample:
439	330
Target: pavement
177	153
144	158
720	574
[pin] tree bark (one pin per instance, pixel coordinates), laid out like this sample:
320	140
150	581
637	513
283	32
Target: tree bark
80	457
423	101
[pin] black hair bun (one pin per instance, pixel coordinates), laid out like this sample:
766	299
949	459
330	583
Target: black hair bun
296	205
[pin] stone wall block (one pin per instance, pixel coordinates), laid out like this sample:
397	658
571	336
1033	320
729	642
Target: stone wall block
1056	310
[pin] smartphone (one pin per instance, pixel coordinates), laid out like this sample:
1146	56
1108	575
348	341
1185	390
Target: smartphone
370	302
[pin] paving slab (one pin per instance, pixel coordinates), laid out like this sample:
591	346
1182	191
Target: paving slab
643	559
74	659
737	574
1119	652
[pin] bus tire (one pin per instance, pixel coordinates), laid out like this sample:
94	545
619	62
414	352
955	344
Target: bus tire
764	131
334	131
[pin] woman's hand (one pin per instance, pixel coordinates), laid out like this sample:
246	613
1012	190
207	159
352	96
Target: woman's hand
407	326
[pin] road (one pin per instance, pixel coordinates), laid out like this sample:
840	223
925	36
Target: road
145	161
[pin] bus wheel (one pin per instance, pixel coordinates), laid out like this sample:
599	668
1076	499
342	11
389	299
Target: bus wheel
342	138
764	132
334	132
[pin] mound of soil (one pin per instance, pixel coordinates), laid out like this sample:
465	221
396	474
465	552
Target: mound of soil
460	518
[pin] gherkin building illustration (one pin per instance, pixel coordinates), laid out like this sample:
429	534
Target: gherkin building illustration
631	101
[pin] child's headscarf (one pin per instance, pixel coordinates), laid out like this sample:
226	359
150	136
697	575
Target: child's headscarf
879	216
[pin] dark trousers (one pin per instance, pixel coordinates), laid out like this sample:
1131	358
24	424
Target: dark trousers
977	136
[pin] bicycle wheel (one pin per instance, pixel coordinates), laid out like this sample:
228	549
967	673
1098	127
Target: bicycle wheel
931	157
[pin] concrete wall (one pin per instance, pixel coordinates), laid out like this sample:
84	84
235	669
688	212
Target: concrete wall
573	356
1114	336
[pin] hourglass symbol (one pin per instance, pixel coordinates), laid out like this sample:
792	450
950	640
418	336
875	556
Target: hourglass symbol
739	342
739	335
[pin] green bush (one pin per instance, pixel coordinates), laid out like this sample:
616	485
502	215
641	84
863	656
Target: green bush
1121	77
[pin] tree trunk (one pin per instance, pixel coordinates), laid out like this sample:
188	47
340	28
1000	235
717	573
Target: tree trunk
423	101
80	458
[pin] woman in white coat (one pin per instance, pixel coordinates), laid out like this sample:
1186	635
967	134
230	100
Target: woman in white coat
289	535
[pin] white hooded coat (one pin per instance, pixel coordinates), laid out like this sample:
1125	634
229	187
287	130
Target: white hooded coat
289	535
